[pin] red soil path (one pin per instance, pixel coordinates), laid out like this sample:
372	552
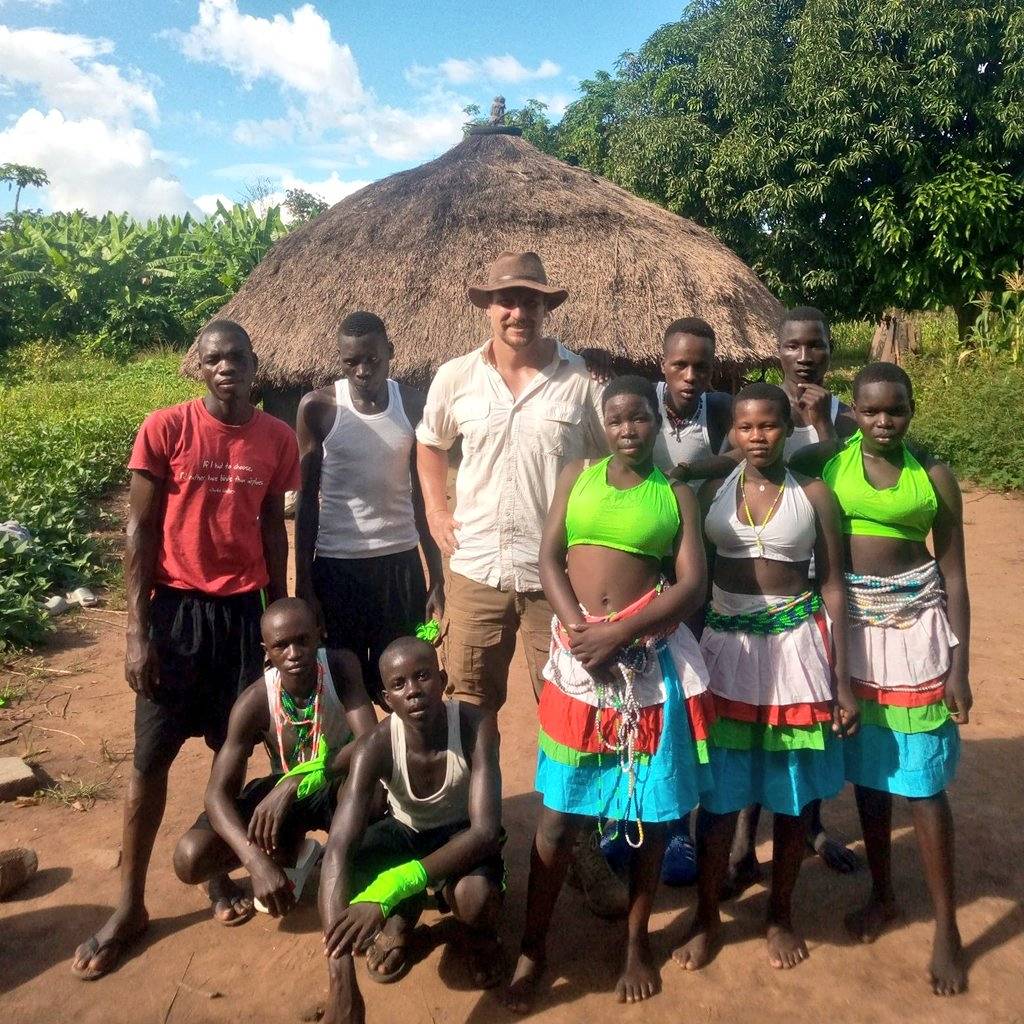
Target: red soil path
268	972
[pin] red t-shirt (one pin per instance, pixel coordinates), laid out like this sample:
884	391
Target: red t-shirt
216	478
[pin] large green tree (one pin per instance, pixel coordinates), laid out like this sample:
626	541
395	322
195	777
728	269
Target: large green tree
860	153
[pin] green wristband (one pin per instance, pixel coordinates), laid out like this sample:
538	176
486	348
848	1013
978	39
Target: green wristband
393	886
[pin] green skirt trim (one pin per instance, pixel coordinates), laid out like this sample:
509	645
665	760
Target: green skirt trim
562	754
905	720
730	734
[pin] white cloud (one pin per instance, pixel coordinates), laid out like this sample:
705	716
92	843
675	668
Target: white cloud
505	69
63	68
555	102
208	203
298	52
95	166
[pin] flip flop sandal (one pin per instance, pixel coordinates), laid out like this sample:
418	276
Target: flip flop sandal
304	864
384	945
231	922
118	945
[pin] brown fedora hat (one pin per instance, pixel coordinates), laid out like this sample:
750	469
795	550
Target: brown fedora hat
516	270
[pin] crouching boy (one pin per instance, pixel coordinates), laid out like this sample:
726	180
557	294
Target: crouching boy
438	761
308	708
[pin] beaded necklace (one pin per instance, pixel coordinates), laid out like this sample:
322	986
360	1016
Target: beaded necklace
758	530
305	720
677	424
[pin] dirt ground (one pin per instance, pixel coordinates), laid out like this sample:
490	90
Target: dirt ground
189	969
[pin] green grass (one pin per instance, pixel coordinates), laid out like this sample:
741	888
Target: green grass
66	428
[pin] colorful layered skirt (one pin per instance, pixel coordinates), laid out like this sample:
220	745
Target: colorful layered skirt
770	675
899	655
631	743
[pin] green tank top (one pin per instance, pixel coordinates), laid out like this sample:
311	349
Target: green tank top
905	511
642	520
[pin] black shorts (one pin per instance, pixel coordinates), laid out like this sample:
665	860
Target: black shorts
208	651
388	843
310	815
368	602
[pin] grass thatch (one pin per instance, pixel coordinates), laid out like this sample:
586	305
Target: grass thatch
406	247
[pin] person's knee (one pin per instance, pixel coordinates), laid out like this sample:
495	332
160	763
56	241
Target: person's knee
557	831
188	857
474	900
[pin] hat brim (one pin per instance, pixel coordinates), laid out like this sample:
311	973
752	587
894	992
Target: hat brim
480	295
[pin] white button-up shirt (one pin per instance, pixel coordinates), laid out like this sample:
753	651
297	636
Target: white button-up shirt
513	449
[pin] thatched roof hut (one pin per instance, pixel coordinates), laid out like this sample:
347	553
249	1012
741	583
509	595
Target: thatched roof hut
405	247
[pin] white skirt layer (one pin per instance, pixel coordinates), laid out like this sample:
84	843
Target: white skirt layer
767	670
565	672
902	659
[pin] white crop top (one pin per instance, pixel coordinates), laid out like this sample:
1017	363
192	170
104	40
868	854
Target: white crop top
450	804
789	535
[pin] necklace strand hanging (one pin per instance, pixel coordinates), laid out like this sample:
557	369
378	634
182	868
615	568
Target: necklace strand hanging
758	530
306	721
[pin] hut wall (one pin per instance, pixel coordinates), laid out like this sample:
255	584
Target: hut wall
284	403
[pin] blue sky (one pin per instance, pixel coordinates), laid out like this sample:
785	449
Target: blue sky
164	105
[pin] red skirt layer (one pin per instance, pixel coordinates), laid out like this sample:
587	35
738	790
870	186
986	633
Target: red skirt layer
927	693
773	714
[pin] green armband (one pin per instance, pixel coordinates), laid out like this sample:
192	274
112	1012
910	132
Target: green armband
313	773
429	631
393	886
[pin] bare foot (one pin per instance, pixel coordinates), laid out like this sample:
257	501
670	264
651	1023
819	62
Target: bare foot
947	971
640	978
486	961
231	906
871	920
838	856
742	875
522	989
102	952
344	1000
785	948
698	946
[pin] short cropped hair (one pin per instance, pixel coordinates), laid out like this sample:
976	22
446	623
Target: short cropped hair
762	391
225	326
630	384
361	324
690	325
802	314
877	373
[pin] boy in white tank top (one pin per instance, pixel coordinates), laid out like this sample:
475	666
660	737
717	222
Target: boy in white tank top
695	420
308	708
360	519
438	761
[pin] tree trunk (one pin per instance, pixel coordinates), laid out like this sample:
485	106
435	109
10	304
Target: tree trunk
17	196
966	314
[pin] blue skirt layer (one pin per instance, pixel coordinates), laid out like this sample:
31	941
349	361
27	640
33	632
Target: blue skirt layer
669	784
784	781
919	764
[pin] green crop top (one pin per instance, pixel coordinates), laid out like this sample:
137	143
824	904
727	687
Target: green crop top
905	511
642	520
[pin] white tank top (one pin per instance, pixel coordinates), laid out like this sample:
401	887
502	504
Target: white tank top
789	535
450	804
365	483
685	443
803	436
334	725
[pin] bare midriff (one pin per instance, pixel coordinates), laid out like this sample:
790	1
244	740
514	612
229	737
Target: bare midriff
761	576
606	580
885	556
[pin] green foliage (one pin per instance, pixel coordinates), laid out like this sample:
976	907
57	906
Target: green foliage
66	429
970	416
302	205
999	329
859	153
113	286
19	176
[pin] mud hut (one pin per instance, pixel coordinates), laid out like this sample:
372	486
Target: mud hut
405	247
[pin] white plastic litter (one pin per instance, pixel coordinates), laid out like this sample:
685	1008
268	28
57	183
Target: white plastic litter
306	861
55	605
83	596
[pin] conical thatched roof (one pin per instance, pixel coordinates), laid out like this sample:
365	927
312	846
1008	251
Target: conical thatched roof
406	247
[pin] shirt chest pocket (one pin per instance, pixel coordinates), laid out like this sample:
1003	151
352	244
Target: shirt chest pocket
472	414
554	429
